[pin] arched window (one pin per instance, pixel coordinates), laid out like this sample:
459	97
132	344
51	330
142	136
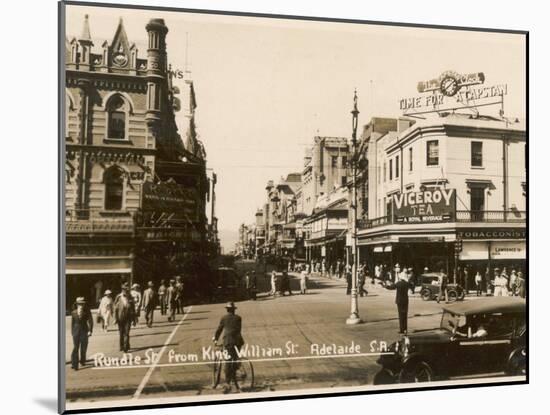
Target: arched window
114	188
117	109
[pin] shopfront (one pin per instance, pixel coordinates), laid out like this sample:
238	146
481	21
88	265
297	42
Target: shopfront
433	253
488	248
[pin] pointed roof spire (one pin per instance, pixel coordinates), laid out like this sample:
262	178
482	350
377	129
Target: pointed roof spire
120	40
86	30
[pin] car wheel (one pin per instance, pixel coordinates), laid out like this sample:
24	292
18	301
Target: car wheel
426	294
461	295
383	377
452	296
516	365
417	372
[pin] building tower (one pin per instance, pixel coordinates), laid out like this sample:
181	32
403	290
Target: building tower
156	71
86	44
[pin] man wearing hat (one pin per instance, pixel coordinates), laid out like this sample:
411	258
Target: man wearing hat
162	298
230	324
171	300
81	328
125	315
179	295
402	301
149	303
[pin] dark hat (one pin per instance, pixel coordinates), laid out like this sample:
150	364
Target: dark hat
230	305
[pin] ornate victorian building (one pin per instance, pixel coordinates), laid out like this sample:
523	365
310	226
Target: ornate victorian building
135	195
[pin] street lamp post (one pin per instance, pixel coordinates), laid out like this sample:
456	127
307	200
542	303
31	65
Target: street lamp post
354	315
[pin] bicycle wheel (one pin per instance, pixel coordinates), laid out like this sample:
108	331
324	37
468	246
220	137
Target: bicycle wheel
216	372
244	374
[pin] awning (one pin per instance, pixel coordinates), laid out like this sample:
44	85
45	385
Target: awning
98	265
98	271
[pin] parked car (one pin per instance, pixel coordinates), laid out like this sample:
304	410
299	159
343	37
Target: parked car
431	288
458	347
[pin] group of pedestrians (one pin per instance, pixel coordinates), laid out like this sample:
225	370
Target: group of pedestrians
124	311
332	269
280	282
504	284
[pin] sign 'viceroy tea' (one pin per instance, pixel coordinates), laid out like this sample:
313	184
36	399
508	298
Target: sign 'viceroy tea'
434	205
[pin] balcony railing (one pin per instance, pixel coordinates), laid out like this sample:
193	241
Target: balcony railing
491	216
99	221
462	216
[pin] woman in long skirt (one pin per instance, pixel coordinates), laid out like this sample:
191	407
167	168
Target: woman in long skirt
106	310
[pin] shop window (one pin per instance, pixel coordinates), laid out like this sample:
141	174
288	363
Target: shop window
391	169
410	159
334	161
432	153
114	188
476	154
344	180
344	162
117	118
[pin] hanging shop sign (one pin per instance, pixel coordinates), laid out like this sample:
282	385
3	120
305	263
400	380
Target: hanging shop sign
452	91
429	206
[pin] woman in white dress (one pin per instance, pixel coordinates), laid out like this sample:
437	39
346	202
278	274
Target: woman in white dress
106	309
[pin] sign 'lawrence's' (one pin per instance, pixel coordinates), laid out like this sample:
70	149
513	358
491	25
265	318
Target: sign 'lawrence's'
433	205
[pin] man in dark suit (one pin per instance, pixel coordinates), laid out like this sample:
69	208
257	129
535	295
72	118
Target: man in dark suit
230	324
402	300
125	315
81	328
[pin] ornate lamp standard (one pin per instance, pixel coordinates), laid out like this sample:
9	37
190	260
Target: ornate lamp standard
354	316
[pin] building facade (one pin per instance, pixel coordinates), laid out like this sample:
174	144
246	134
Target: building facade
134	195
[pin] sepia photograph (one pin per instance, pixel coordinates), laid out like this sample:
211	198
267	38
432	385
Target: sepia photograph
259	207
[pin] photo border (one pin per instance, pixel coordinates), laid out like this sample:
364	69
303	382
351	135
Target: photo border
61	218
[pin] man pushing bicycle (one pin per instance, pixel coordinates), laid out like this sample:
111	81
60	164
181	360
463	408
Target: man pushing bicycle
230	324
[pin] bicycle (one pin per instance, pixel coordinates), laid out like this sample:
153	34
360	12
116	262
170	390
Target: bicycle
244	371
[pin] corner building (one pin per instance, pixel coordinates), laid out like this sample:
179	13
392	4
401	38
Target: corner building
121	135
478	163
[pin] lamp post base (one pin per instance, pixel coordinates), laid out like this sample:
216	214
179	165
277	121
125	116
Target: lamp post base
353	319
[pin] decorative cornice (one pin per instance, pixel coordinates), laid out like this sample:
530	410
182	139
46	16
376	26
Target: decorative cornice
107	81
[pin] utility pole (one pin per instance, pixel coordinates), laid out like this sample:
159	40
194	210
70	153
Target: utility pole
354	315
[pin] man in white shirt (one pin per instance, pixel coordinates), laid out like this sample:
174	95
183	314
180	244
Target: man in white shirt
303	281
500	284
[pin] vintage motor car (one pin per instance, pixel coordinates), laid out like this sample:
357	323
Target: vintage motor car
477	337
431	288
227	285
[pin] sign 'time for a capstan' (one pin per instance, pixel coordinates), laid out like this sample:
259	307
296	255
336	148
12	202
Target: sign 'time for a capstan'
452	89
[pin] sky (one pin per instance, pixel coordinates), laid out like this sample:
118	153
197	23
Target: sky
266	87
